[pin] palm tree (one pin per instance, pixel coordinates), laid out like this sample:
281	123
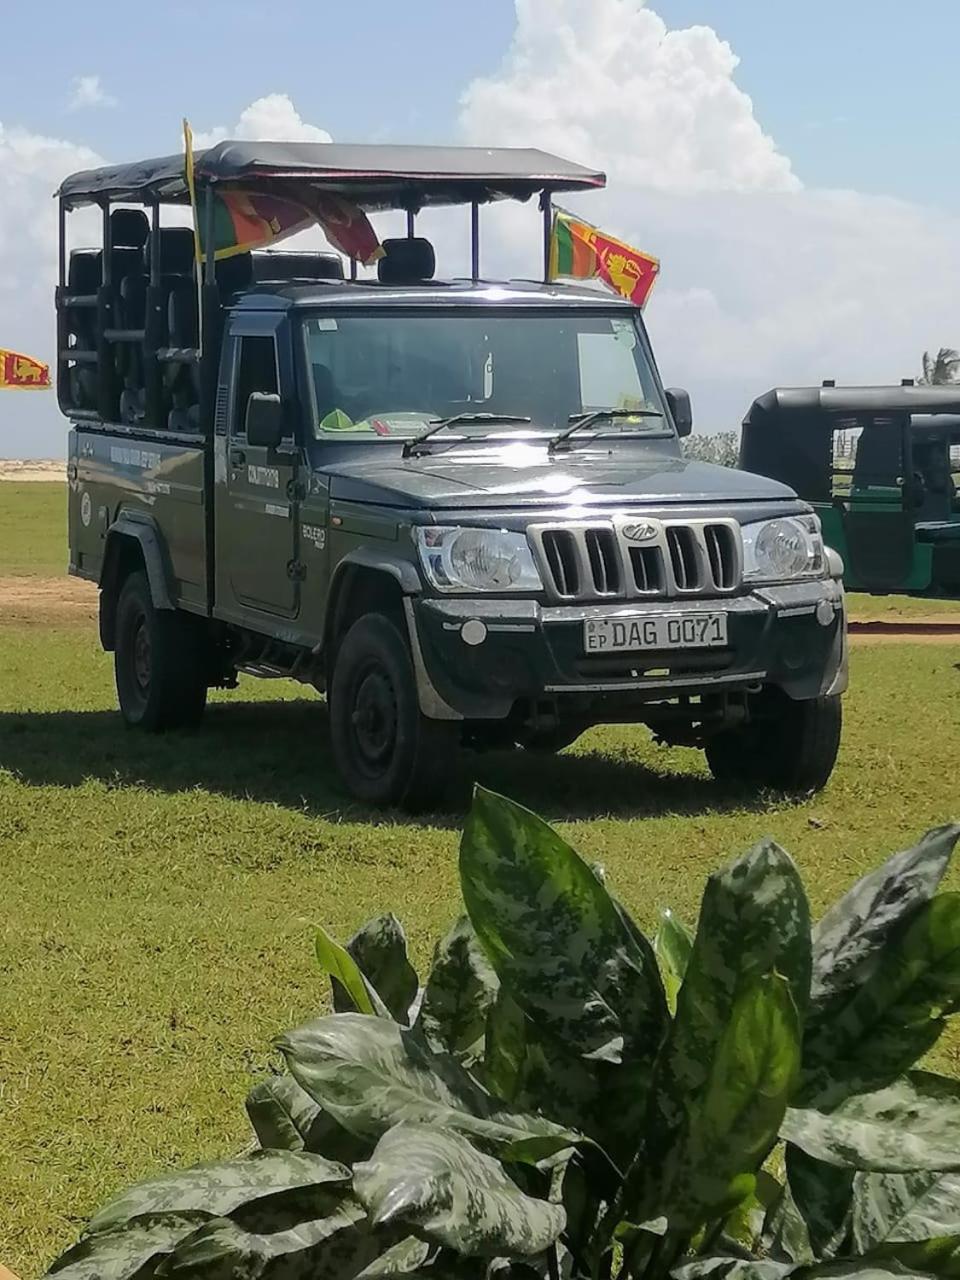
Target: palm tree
940	368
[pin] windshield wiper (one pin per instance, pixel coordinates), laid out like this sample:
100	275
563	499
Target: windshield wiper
580	420
410	447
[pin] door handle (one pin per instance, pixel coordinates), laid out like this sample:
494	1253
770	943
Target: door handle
237	457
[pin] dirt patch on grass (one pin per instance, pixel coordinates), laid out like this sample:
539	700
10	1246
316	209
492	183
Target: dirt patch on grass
23	469
934	629
45	600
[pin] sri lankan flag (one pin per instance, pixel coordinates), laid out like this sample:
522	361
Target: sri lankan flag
22	373
242	220
583	252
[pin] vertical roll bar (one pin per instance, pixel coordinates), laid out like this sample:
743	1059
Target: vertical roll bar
475	241
155	243
62	252
546	208
209	259
106	262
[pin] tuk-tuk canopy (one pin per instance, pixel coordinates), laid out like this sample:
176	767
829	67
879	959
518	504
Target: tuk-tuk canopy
788	432
373	177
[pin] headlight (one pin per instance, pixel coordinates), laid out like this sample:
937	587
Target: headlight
457	559
782	550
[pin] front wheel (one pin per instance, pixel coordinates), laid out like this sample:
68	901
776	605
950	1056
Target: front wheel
386	750
159	661
787	745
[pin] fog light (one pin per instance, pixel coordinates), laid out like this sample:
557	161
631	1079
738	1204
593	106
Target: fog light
473	632
825	613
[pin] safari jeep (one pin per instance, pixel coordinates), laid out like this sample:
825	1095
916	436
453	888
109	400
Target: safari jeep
458	507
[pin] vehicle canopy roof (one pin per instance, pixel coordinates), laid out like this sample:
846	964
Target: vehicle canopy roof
372	176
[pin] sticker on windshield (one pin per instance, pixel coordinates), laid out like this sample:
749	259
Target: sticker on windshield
624	332
327	324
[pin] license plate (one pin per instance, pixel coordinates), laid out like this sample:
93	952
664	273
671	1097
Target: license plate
661	631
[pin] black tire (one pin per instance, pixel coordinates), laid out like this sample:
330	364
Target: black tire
547	742
787	745
159	662
386	750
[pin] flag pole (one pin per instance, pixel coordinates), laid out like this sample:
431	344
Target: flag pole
546	207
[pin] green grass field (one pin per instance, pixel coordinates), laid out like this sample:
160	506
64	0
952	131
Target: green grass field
33	529
155	924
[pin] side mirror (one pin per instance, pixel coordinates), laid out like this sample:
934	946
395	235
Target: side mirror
264	420
682	413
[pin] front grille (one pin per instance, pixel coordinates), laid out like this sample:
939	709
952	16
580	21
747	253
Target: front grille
646	564
685	561
635	557
604	561
560	551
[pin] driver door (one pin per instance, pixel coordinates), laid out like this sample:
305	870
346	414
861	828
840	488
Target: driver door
257	509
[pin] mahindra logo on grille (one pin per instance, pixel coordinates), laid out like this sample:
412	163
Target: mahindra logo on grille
641	532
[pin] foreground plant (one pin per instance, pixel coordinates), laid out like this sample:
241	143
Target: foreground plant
564	1098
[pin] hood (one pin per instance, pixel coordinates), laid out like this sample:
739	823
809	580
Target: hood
522	475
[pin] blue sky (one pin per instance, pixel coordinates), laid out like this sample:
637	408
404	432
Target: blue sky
858	94
801	194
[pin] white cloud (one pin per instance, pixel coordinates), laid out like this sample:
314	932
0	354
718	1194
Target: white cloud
273	118
31	167
763	282
87	91
606	78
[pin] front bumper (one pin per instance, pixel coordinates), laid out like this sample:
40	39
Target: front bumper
792	636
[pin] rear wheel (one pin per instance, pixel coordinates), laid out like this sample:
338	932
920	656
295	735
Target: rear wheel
386	750
159	661
789	745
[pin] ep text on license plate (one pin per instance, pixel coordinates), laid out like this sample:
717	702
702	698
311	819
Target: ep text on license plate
662	631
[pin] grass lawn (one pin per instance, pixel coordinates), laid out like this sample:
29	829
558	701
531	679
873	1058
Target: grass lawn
158	894
155	924
33	529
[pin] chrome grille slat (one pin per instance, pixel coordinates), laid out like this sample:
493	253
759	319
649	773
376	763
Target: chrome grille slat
597	560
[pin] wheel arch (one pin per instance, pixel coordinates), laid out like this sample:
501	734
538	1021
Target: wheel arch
365	582
133	543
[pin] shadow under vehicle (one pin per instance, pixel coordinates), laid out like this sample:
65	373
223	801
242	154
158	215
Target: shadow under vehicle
457	506
890	506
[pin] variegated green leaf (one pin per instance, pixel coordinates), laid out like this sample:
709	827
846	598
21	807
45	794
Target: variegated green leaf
891	1208
894	1017
345	974
849	940
400	1259
912	1125
284	1116
335	1247
939	1257
823	1195
556	939
785	1237
380	952
281	1113
745	1224
672	944
460	990
453	1194
719	1268
370	1074
505	1048
217	1189
127	1249
733	1124
754	921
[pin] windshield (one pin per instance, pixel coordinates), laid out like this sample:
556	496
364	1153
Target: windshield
391	375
